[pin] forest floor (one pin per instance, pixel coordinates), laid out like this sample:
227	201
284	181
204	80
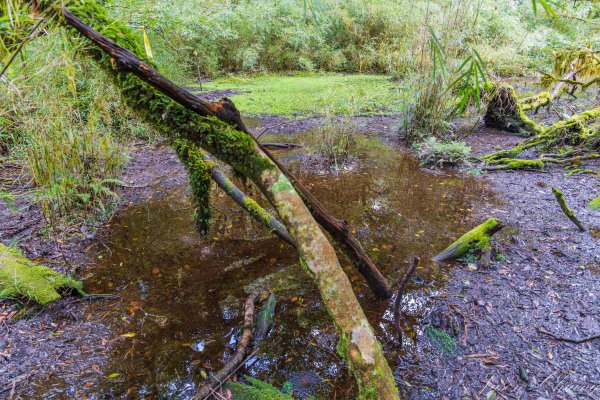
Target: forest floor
547	279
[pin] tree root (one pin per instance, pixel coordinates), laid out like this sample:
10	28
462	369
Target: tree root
566	339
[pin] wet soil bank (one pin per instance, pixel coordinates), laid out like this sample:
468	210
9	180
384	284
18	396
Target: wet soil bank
176	297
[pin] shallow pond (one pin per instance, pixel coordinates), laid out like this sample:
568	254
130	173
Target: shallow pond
180	295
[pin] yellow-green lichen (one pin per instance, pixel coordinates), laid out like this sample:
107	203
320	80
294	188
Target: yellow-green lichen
23	278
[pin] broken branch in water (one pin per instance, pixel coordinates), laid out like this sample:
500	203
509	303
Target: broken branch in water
560	197
401	283
218	379
566	339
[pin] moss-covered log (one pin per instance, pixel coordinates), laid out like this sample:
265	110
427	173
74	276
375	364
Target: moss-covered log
478	239
179	111
22	278
223	110
573	132
560	197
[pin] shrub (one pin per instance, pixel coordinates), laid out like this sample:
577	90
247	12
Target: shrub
431	152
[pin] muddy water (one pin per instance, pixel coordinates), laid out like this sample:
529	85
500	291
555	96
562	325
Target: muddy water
180	295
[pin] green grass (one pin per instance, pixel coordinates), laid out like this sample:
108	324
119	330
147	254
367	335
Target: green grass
312	94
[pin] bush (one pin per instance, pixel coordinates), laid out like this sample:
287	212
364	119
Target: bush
433	153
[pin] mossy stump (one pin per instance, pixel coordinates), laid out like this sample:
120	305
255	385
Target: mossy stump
22	278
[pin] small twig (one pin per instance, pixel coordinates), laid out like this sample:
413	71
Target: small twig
282	145
566	339
401	283
272	127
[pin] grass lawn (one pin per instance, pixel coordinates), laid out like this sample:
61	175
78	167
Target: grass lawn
312	94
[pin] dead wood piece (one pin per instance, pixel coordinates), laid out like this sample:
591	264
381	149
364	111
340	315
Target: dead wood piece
401	283
278	145
566	339
218	379
560	197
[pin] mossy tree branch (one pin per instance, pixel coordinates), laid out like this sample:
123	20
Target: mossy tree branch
560	197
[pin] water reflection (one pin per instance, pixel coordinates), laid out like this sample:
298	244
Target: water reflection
182	294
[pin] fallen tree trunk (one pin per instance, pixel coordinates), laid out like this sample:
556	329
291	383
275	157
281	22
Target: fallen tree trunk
195	159
560	198
478	239
182	112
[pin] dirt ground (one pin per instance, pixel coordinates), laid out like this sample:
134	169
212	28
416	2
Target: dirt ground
547	280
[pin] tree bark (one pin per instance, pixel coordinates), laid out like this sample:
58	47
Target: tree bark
358	344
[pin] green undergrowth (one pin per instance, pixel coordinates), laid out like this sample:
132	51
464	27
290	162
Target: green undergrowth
441	340
23	278
595	204
256	390
312	94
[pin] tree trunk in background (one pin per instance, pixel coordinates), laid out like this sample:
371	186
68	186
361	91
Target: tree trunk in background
191	118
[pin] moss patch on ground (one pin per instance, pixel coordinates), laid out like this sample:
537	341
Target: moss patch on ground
23	278
312	94
595	204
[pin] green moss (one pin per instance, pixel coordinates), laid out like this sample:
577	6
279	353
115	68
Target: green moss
595	204
312	94
257	211
476	240
515	163
283	184
200	181
257	390
441	340
21	277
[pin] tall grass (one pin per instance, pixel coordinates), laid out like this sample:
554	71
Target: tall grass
59	117
215	37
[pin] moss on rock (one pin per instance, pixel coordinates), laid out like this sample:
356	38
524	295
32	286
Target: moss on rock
23	278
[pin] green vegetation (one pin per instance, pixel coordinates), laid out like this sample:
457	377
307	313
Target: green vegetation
23	278
256	390
431	152
441	340
310	94
595	204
